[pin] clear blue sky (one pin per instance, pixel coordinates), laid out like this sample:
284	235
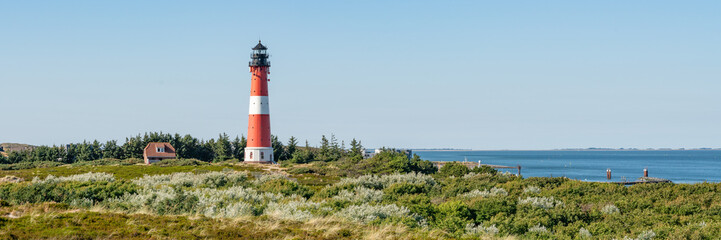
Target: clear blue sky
421	74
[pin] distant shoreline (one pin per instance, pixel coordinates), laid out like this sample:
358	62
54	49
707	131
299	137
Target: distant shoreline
583	149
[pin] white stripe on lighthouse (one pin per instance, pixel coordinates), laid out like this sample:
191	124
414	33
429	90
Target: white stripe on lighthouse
259	105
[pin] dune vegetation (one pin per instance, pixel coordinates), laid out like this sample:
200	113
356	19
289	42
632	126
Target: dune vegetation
303	201
327	192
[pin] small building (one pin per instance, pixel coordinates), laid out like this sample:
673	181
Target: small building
158	151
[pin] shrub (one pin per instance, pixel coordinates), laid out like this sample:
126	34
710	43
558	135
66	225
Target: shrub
453	169
532	189
584	233
374	213
647	235
360	195
300	170
484	169
453	217
268	177
295	210
541	202
285	187
610	209
485	193
474	231
186	179
178	204
486	208
30	165
396	190
85	177
381	182
109	161
232	210
180	162
419	204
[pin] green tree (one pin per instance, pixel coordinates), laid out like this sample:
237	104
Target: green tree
324	151
239	147
133	147
205	151
18	156
355	148
292	145
335	149
112	150
422	166
222	148
187	147
278	149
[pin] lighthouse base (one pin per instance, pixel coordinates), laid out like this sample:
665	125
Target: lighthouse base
259	155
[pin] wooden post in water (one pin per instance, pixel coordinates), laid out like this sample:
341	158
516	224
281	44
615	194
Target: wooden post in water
519	170
608	173
645	172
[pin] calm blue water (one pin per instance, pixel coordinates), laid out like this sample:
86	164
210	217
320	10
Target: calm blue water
689	166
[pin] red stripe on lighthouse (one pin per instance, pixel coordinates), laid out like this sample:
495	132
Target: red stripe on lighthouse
259	130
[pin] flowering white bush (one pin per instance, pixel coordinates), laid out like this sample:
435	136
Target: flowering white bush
187	179
647	235
360	195
380	182
584	233
610	209
85	177
82	202
532	189
212	196
268	177
538	228
144	197
541	202
473	230
485	193
300	210
367	213
233	210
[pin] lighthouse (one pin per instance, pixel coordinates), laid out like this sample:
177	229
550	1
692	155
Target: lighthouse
259	148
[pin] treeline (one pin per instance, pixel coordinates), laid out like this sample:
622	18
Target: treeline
186	146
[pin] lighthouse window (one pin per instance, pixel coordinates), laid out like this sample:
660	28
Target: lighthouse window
251	155
262	155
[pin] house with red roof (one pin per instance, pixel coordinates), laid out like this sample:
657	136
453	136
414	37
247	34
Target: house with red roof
158	151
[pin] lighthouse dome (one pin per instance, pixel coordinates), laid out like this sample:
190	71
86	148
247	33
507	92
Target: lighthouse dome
259	46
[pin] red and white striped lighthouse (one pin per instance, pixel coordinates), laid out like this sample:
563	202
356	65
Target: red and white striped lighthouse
259	148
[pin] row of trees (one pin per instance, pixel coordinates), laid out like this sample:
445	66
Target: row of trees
220	149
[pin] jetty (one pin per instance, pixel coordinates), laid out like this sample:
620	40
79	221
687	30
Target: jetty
644	180
470	164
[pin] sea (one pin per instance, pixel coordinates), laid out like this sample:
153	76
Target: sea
679	166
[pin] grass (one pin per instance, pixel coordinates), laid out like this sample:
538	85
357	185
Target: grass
125	172
304	203
57	221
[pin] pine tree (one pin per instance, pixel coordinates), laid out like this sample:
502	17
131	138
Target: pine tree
277	148
355	148
292	145
324	150
222	148
238	145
